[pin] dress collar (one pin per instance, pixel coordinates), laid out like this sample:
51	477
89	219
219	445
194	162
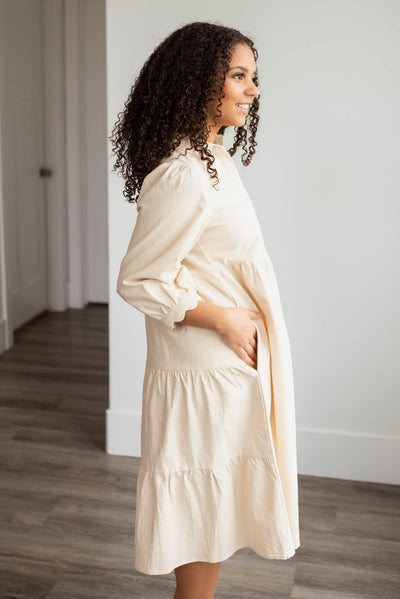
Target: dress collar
218	140
218	143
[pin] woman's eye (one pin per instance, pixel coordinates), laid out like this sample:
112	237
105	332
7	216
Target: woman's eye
255	79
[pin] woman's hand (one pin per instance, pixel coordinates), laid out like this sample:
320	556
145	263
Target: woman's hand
238	331
233	324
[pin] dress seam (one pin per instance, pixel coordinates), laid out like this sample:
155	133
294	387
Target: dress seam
255	260
209	468
229	367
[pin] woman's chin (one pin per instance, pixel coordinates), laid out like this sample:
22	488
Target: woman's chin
238	122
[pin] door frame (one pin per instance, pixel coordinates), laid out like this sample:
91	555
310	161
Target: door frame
64	142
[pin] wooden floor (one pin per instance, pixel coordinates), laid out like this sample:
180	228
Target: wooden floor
67	508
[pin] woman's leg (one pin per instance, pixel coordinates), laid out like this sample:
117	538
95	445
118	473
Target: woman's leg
196	580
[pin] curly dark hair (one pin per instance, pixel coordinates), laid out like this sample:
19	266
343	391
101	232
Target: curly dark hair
168	101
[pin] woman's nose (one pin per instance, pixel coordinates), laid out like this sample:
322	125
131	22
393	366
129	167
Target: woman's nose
253	90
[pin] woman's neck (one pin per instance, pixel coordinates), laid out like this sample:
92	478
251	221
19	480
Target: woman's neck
213	132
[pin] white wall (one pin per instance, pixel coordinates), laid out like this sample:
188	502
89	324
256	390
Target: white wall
325	185
86	146
95	147
4	339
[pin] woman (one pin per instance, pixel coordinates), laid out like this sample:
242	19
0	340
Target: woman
218	454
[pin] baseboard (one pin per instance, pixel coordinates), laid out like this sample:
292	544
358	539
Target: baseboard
123	432
348	455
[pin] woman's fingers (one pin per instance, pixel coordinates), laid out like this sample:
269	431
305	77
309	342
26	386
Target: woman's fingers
252	352
255	315
247	358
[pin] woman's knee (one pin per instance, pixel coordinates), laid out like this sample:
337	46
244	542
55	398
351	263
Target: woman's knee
196	580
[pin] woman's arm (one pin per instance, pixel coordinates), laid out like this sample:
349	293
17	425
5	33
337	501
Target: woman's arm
172	213
206	315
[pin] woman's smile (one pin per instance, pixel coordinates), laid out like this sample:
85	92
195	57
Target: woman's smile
244	108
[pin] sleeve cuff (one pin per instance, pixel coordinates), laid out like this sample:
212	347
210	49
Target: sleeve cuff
188	301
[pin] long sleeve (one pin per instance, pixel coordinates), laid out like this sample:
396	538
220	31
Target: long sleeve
172	213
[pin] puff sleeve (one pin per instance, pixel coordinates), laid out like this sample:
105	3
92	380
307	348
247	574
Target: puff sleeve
172	213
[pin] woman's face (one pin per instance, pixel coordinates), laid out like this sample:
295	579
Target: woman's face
240	90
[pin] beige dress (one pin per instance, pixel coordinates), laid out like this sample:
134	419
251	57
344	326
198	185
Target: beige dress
218	467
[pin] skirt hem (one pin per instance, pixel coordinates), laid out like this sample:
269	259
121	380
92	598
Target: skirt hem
168	570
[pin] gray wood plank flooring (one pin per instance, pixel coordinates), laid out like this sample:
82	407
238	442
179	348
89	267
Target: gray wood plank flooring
67	508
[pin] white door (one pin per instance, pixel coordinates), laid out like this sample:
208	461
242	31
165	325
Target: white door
23	154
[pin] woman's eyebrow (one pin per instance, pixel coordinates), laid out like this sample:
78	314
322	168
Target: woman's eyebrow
244	69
